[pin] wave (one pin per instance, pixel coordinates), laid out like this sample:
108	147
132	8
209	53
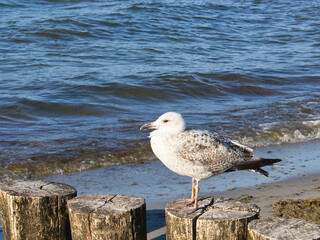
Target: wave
94	156
278	133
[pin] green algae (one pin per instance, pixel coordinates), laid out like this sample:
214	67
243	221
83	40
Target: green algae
304	209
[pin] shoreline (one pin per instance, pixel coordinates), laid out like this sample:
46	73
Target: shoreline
298	178
296	188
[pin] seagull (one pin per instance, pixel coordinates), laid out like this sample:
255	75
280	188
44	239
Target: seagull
199	154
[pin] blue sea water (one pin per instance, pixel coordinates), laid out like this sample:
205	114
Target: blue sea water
78	78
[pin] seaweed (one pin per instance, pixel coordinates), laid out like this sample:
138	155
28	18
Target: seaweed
308	210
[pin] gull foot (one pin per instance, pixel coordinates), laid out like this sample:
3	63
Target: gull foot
188	210
185	201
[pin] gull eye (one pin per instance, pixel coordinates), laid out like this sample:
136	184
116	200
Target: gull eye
165	121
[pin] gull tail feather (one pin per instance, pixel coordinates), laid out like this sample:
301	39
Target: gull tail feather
255	165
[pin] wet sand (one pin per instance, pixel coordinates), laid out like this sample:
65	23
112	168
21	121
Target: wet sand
298	178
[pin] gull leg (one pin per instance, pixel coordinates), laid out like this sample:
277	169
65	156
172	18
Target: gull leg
195	194
193	190
197	189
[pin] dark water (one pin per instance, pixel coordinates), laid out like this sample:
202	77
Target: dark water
78	78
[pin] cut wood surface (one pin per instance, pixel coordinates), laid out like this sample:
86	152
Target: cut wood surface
35	209
277	228
221	219
108	217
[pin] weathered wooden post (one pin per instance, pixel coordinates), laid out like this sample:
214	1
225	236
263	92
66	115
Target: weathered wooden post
35	209
108	217
180	224
283	228
223	219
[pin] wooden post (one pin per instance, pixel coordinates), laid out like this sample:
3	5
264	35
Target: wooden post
35	209
283	228
108	217
181	225
223	219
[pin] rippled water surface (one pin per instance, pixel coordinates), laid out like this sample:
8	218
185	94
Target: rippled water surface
78	78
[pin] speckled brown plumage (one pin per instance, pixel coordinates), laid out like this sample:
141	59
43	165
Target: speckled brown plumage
209	149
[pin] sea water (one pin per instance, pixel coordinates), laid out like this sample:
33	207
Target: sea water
78	78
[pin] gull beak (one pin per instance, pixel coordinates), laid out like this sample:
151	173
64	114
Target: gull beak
148	126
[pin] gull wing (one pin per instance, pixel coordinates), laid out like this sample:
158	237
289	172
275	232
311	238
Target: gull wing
211	150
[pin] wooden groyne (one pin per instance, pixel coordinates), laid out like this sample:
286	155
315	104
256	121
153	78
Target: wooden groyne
35	210
221	219
283	228
108	217
39	210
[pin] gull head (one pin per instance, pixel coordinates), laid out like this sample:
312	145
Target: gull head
168	123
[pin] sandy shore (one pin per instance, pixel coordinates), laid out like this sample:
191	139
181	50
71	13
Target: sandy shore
300	185
299	178
303	187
